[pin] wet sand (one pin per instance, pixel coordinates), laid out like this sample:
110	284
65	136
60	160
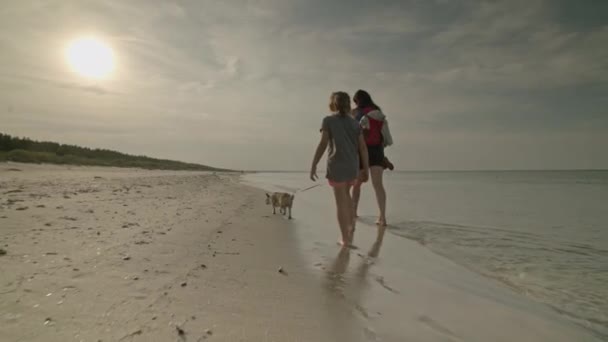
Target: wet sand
103	254
401	290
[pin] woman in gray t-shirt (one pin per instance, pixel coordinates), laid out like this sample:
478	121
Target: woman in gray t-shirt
346	145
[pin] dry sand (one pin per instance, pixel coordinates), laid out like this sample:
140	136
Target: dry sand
105	254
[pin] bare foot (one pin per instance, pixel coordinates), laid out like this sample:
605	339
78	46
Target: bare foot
381	222
347	245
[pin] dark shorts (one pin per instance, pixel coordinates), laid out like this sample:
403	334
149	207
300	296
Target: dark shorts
376	156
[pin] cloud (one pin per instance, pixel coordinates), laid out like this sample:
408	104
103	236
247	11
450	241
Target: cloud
193	76
96	89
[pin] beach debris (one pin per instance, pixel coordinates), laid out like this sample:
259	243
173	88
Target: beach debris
48	321
13	191
2	251
208	332
136	332
136	278
282	271
180	331
126	258
183	284
203	266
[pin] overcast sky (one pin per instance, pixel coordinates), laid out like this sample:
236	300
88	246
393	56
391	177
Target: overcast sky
245	84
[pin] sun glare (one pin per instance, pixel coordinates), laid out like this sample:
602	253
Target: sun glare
90	57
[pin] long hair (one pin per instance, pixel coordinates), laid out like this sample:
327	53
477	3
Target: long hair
363	99
339	102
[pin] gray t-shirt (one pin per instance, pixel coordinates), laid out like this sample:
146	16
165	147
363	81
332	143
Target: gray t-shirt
343	157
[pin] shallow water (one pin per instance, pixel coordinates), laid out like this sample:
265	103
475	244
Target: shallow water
541	235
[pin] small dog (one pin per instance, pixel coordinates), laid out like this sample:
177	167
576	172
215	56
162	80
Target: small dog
282	200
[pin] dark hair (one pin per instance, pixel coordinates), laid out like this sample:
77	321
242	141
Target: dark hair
363	99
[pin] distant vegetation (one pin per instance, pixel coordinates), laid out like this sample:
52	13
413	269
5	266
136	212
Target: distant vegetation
25	150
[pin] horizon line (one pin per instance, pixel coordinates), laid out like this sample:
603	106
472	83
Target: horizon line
448	170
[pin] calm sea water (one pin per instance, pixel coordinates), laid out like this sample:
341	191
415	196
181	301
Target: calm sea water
544	234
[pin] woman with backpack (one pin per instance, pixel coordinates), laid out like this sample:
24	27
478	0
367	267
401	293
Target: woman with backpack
377	136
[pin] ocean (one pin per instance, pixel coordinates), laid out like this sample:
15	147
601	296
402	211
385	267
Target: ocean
542	235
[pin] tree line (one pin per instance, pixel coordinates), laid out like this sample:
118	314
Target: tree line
31	151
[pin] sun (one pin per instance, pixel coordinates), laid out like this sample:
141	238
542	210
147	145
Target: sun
90	57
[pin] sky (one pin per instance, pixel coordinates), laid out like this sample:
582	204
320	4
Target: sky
244	84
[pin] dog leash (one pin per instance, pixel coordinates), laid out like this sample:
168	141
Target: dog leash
310	187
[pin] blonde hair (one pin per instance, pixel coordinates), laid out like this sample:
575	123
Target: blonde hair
339	102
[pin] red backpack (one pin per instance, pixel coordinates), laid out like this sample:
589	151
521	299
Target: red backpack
373	136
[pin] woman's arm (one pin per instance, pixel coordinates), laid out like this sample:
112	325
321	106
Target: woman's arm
364	158
318	154
387	138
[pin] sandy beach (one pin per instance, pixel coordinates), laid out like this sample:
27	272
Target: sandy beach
102	254
108	254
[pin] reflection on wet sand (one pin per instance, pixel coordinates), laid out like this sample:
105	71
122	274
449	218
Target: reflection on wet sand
375	250
348	290
372	254
343	326
335	273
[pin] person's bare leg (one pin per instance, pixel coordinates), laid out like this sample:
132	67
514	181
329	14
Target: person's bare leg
353	217
376	175
344	208
356	196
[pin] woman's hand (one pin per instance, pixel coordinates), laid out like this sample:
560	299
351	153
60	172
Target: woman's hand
364	176
313	174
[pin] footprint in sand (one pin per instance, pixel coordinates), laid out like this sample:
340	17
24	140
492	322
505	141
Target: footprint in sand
380	281
435	326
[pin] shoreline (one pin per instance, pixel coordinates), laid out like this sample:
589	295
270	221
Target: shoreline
390	276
